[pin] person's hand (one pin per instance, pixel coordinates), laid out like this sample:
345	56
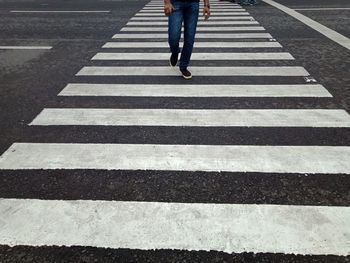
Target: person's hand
168	9
206	13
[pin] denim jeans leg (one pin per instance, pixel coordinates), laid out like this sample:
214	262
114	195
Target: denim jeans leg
174	28
191	13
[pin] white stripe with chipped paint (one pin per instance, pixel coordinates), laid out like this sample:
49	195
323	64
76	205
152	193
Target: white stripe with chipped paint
200	23
195	118
196	56
196	44
315	230
199	29
160	90
197	71
229	158
199	35
164	18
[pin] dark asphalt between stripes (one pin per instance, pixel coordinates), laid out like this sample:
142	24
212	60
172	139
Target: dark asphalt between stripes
32	82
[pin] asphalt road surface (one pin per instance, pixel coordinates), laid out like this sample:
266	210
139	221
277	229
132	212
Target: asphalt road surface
109	155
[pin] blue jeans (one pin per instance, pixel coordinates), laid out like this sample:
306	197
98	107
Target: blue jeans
188	14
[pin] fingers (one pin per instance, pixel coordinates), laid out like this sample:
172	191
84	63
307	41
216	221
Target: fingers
206	13
168	10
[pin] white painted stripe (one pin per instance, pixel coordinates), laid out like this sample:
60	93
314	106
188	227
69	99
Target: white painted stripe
160	90
161	18
201	5
212	2
196	71
212	15
196	56
331	34
199	35
230	228
25	47
197	45
57	11
194	118
199	29
214	7
236	158
200	23
321	9
213	11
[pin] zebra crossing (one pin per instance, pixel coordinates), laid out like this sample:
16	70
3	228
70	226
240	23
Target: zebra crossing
231	228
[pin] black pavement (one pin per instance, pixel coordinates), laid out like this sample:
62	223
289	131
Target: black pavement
30	81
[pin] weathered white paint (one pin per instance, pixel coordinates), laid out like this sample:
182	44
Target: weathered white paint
230	158
232	13
196	44
59	11
200	23
214	4
196	56
322	9
213	10
201	5
196	71
331	34
26	47
161	18
200	118
213	7
199	35
231	228
199	29
160	90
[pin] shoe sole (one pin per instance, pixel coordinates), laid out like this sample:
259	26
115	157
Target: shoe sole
185	77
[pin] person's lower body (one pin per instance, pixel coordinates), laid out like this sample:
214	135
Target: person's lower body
187	13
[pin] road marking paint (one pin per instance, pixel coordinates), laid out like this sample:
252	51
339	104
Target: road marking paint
160	18
213	15
25	47
160	90
197	71
199	35
200	23
57	11
213	11
194	118
165	29
230	228
196	56
197	45
230	158
321	9
331	34
220	4
201	5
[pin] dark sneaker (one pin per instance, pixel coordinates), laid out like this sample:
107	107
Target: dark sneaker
173	59
185	73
